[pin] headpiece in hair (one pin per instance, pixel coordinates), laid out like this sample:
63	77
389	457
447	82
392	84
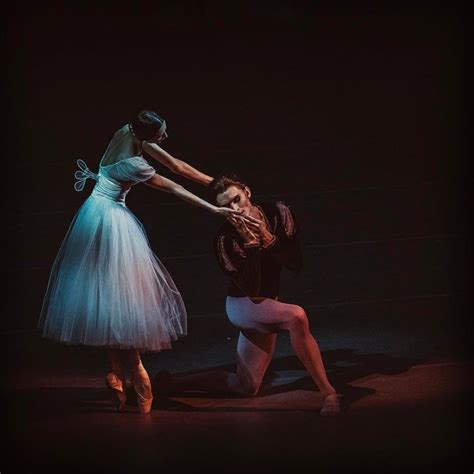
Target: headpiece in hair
160	130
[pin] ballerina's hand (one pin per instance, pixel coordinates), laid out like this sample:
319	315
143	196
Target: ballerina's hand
253	224
248	226
227	212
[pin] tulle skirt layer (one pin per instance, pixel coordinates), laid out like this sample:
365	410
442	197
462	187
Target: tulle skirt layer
108	288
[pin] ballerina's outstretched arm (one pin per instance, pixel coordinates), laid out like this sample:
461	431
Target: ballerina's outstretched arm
164	184
175	165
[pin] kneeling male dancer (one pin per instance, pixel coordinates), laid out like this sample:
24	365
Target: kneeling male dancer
252	256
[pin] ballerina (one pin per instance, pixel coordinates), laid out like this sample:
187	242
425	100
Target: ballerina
107	288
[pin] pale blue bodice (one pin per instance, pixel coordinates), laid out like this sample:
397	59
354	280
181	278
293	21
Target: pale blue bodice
110	189
114	181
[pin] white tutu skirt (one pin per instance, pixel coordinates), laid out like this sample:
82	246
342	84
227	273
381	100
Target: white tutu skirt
107	287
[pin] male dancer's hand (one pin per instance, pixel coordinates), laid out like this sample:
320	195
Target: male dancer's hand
262	230
227	212
254	232
242	225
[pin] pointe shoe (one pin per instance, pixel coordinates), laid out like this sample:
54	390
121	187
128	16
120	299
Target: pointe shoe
144	404
142	386
331	405
117	390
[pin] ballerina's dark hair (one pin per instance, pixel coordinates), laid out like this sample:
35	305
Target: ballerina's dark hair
146	124
221	182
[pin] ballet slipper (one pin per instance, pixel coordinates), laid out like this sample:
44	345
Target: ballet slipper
331	405
141	384
117	390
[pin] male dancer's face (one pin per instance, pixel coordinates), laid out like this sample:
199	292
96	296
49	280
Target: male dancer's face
236	198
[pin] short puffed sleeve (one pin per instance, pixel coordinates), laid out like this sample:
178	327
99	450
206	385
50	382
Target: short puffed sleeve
288	226
136	169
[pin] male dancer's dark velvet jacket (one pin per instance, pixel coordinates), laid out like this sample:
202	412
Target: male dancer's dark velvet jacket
255	271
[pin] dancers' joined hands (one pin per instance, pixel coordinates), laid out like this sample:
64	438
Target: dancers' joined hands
254	232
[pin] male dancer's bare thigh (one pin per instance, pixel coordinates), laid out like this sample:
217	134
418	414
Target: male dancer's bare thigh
266	316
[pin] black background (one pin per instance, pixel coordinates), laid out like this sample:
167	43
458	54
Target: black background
353	116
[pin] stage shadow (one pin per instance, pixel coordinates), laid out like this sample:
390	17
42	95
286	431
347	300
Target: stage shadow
343	367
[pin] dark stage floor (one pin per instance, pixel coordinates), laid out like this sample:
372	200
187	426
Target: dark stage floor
406	390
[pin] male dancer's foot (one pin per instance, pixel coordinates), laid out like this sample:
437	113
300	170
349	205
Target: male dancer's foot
331	405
